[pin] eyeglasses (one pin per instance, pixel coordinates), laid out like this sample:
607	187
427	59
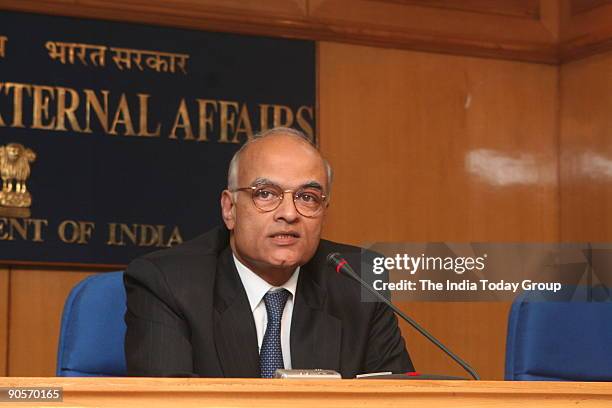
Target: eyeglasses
308	201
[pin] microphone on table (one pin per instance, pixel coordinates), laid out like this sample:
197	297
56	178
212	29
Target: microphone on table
341	266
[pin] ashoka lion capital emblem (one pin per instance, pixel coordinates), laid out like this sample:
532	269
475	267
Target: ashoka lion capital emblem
15	162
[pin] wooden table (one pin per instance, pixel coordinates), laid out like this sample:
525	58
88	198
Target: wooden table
252	393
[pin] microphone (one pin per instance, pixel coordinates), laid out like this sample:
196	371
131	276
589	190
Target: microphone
341	265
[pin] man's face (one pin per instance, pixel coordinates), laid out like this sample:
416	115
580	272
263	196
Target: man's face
280	239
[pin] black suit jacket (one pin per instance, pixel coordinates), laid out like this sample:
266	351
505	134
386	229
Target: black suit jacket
188	315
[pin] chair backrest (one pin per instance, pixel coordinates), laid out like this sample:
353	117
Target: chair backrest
559	340
93	329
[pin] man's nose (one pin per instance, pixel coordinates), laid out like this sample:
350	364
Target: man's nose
286	210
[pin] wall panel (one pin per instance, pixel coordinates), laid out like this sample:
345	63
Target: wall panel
425	146
475	331
430	147
4	297
36	302
586	151
493	28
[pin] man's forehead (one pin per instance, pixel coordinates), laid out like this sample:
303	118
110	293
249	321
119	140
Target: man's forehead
290	174
284	159
281	143
277	182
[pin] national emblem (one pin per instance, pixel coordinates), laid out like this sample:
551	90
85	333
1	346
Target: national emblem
15	162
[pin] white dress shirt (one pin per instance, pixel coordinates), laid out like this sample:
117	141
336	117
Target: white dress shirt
256	288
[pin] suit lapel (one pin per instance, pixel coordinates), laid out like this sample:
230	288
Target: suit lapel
234	332
315	334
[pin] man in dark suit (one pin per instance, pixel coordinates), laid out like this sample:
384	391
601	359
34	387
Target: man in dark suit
256	295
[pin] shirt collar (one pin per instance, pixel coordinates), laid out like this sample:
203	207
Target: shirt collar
256	287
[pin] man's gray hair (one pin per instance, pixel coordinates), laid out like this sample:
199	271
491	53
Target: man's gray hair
232	173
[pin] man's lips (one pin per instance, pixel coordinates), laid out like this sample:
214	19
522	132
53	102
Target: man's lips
285	237
285	233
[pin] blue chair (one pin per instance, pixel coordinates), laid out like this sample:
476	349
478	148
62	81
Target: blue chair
560	340
93	330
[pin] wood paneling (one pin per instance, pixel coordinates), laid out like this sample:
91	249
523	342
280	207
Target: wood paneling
587	31
258	392
586	151
517	8
500	28
439	148
36	302
272	17
425	147
4	316
445	146
475	331
427	20
581	6
545	31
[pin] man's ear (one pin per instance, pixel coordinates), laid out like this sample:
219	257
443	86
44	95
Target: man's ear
228	210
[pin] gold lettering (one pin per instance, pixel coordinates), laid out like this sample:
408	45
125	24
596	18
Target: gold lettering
22	229
150	235
4	236
64	111
279	110
60	109
182	121
132	234
144	112
41	107
78	232
67	51
85	231
160	234
175	237
97	57
112	235
1	120
305	123
123	117
91	101
154	60
123	56
68	231
228	120
116	236
38	232
12	228
17	101
206	121
182	62
3	41
263	117
57	50
142	235
244	124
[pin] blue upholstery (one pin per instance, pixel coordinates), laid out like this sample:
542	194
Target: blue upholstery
93	329
559	340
